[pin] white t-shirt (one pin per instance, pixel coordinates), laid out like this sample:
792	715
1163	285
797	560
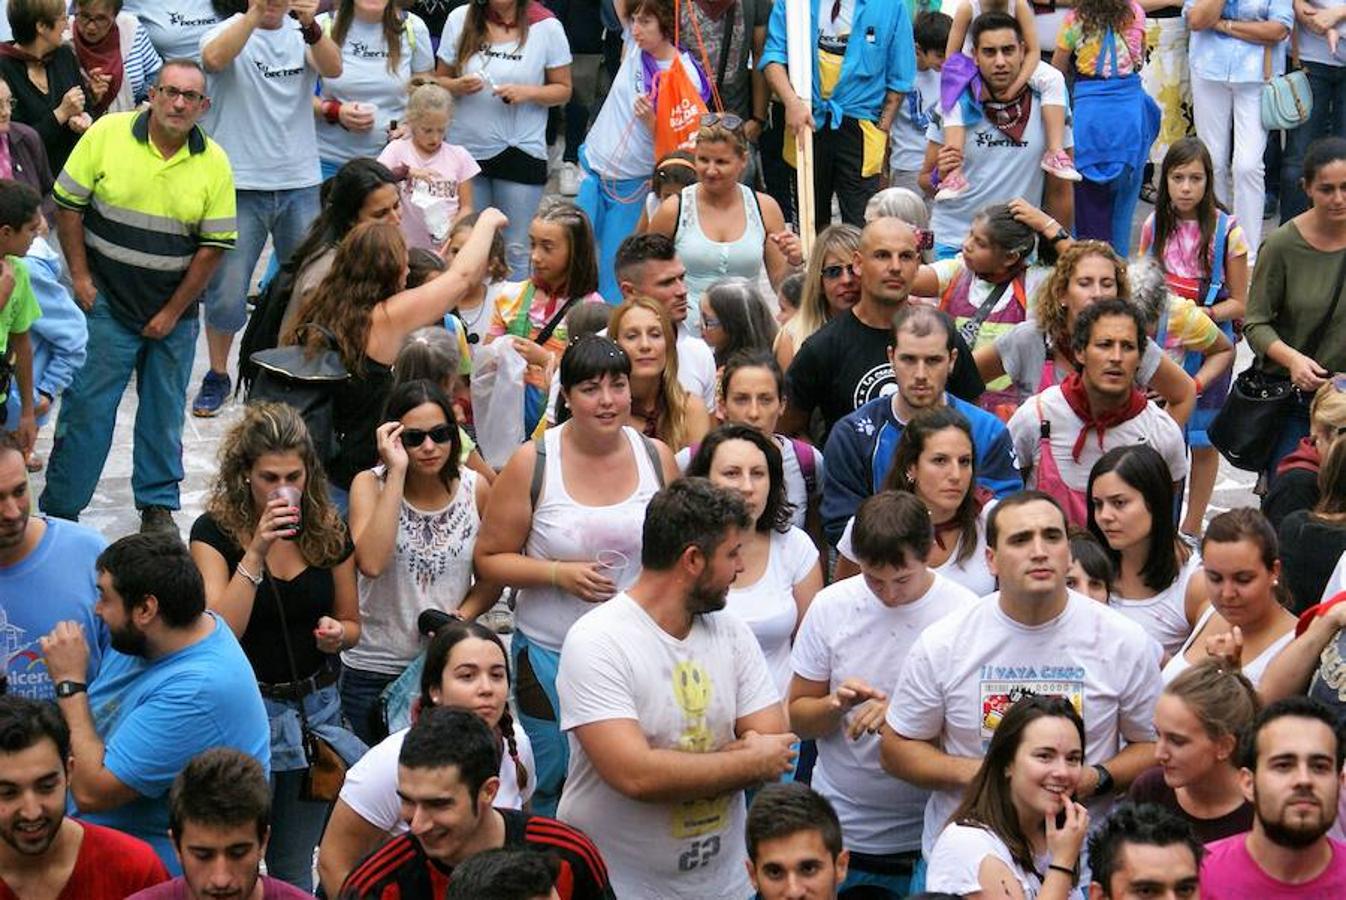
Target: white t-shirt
796	485
370	788
973	573
913	118
956	859
261	110
768	606
175	27
365	78
619	145
849	633
483	123
1163	616
1153	426
965	671
687	695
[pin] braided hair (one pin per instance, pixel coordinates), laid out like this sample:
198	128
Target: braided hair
437	659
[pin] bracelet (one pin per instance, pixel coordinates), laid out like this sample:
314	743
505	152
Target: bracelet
331	111
255	579
1062	869
1199	386
312	32
554	564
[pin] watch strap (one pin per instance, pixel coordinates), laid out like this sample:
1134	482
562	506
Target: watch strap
70	688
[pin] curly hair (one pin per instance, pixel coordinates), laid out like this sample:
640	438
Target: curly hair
1050	310
274	428
672	424
368	269
1097	16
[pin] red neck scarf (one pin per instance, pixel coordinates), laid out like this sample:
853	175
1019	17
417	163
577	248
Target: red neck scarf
1073	390
14	51
533	13
107	56
980	496
1010	116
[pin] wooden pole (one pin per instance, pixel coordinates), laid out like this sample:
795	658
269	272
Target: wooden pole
800	53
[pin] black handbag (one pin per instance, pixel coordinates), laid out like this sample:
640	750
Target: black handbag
1246	428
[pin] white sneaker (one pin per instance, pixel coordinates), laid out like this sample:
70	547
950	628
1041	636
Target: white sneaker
568	181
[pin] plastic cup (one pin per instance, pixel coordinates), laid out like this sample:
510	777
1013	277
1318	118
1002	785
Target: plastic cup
292	496
614	565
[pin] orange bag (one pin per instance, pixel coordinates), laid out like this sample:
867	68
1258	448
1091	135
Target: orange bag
678	109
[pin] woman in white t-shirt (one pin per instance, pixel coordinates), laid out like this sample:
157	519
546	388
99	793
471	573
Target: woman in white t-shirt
781	572
1030	773
466	666
414	519
936	460
564	527
1131	514
506	62
382	49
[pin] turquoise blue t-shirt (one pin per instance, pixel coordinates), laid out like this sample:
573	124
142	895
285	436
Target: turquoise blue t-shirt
154	716
54	583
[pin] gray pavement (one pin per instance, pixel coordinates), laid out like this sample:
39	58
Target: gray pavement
113	511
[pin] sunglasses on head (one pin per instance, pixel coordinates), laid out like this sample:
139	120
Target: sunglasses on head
727	121
413	437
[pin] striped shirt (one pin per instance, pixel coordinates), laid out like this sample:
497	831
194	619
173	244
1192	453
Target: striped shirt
145	217
401	870
141	64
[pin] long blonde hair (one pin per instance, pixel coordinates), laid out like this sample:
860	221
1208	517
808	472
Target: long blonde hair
814	311
672	424
275	428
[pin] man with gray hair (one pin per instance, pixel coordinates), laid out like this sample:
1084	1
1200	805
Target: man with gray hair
845	364
925	348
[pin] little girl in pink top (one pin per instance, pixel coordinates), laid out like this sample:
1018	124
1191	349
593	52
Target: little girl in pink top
436	176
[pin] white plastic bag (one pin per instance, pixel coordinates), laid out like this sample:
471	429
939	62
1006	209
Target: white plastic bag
434	211
498	400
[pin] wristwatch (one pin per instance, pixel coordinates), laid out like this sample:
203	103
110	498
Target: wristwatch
1061	235
70	688
1105	781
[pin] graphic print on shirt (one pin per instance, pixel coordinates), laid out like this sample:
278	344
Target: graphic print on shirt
179	20
692	690
25	666
1003	686
877	382
431	543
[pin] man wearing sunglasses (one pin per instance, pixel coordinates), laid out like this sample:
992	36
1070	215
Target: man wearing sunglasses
139	262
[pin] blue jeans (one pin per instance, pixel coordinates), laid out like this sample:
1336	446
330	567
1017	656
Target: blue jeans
360	692
297	825
551	751
328	167
1328	84
519	202
163	369
283	215
613	217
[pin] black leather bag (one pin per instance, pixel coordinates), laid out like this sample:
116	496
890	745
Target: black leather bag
1247	427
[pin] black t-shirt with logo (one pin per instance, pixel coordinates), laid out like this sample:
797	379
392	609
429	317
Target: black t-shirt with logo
844	365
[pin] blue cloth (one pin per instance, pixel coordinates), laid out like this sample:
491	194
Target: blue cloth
53	583
1217	56
880	57
360	693
860	451
284	216
612	218
946	251
551	748
59	337
1115	124
163	369
155	715
323	708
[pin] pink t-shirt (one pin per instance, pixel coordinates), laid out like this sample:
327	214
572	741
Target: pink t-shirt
272	889
438	175
1229	873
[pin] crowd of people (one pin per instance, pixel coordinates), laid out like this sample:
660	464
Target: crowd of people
584	526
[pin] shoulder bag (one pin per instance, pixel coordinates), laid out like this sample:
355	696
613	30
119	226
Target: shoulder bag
1287	101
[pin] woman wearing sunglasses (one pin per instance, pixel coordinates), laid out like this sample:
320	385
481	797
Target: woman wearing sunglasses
830	286
414	520
721	227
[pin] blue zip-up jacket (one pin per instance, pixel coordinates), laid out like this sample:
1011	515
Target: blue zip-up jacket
880	57
861	447
59	336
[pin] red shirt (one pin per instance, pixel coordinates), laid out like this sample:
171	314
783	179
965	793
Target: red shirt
110	866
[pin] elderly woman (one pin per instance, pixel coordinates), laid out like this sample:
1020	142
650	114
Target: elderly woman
44	76
113	44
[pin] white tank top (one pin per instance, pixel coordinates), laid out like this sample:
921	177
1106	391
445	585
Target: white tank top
567	531
1163	616
1253	668
431	569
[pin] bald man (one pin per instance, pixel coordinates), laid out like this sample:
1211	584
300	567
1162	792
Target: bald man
845	364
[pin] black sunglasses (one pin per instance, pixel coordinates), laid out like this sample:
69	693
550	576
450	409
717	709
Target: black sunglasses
413	437
832	273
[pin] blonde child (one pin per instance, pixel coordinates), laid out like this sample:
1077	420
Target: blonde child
955	84
436	176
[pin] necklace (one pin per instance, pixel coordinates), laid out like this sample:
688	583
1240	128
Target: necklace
470	325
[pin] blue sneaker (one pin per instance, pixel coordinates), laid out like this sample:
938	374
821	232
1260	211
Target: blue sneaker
214	391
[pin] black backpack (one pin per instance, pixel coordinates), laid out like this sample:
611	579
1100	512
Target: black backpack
305	380
263	328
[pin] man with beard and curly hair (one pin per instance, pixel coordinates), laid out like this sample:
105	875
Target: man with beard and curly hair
1291	771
